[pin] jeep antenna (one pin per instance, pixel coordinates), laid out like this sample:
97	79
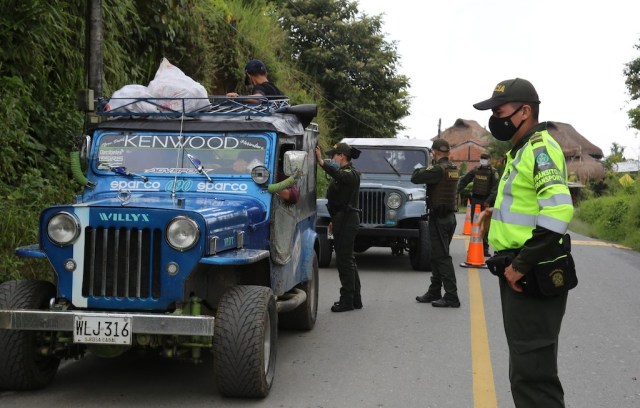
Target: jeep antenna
180	154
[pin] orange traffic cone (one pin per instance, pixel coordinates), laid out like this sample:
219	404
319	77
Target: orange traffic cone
467	220
475	253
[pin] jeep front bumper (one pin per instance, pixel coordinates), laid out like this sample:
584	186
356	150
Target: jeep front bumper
378	232
142	323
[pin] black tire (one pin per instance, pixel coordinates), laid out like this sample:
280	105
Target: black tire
22	367
420	250
325	251
304	316
245	341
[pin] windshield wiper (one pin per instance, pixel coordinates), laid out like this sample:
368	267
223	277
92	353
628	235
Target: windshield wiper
393	167
197	164
122	171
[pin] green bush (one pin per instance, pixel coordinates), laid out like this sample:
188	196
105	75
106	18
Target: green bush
20	216
614	217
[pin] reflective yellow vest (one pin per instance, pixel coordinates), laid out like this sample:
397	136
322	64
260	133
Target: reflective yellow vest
532	192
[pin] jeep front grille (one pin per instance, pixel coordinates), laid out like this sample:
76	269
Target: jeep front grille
372	206
122	263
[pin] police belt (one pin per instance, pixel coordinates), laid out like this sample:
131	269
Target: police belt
552	276
334	210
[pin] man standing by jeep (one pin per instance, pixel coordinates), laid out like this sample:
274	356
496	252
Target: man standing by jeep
485	184
442	183
342	202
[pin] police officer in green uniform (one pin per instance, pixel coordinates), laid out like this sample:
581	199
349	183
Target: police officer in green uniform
442	183
485	184
531	214
342	202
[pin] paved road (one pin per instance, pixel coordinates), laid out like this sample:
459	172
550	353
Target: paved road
398	353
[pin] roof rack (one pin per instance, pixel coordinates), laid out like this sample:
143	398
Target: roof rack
191	107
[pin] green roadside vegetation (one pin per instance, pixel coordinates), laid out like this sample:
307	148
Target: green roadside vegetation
614	216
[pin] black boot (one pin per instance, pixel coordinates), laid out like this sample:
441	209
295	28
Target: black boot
357	302
344	305
446	303
428	297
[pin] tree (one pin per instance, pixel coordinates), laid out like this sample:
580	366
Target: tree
632	72
348	56
616	156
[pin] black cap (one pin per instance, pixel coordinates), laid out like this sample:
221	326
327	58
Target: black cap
510	90
343	148
440	145
255	66
485	156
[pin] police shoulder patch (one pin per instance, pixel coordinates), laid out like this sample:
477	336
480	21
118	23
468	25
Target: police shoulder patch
536	138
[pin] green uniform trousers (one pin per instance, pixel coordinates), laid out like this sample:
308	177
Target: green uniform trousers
442	272
532	325
345	228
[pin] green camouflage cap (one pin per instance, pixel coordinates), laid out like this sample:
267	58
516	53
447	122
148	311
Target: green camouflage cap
510	90
339	148
441	145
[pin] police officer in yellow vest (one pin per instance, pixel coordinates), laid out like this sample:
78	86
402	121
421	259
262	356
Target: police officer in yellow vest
531	214
442	183
485	184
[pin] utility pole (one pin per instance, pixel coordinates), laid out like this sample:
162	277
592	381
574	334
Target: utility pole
94	38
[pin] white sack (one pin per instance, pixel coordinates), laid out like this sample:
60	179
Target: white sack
126	99
171	82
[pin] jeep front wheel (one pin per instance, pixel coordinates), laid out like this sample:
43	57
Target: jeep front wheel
23	363
420	249
245	341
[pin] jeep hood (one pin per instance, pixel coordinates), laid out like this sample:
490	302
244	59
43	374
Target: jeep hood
223	211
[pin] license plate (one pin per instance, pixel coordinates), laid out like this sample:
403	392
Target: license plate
100	329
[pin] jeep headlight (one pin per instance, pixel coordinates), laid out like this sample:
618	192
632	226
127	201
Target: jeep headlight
182	233
394	200
63	228
260	174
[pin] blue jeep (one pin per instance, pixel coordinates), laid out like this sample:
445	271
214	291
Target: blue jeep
173	245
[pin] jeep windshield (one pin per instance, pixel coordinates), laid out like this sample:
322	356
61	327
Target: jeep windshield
167	154
390	161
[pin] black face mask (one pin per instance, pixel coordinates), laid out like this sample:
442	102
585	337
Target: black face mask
503	129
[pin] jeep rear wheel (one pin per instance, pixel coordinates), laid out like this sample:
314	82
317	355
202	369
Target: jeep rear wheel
420	249
325	250
245	341
23	366
304	316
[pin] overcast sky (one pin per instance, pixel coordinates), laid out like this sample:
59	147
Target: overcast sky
574	53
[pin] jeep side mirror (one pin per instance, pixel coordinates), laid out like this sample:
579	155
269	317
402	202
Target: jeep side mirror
295	162
85	149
